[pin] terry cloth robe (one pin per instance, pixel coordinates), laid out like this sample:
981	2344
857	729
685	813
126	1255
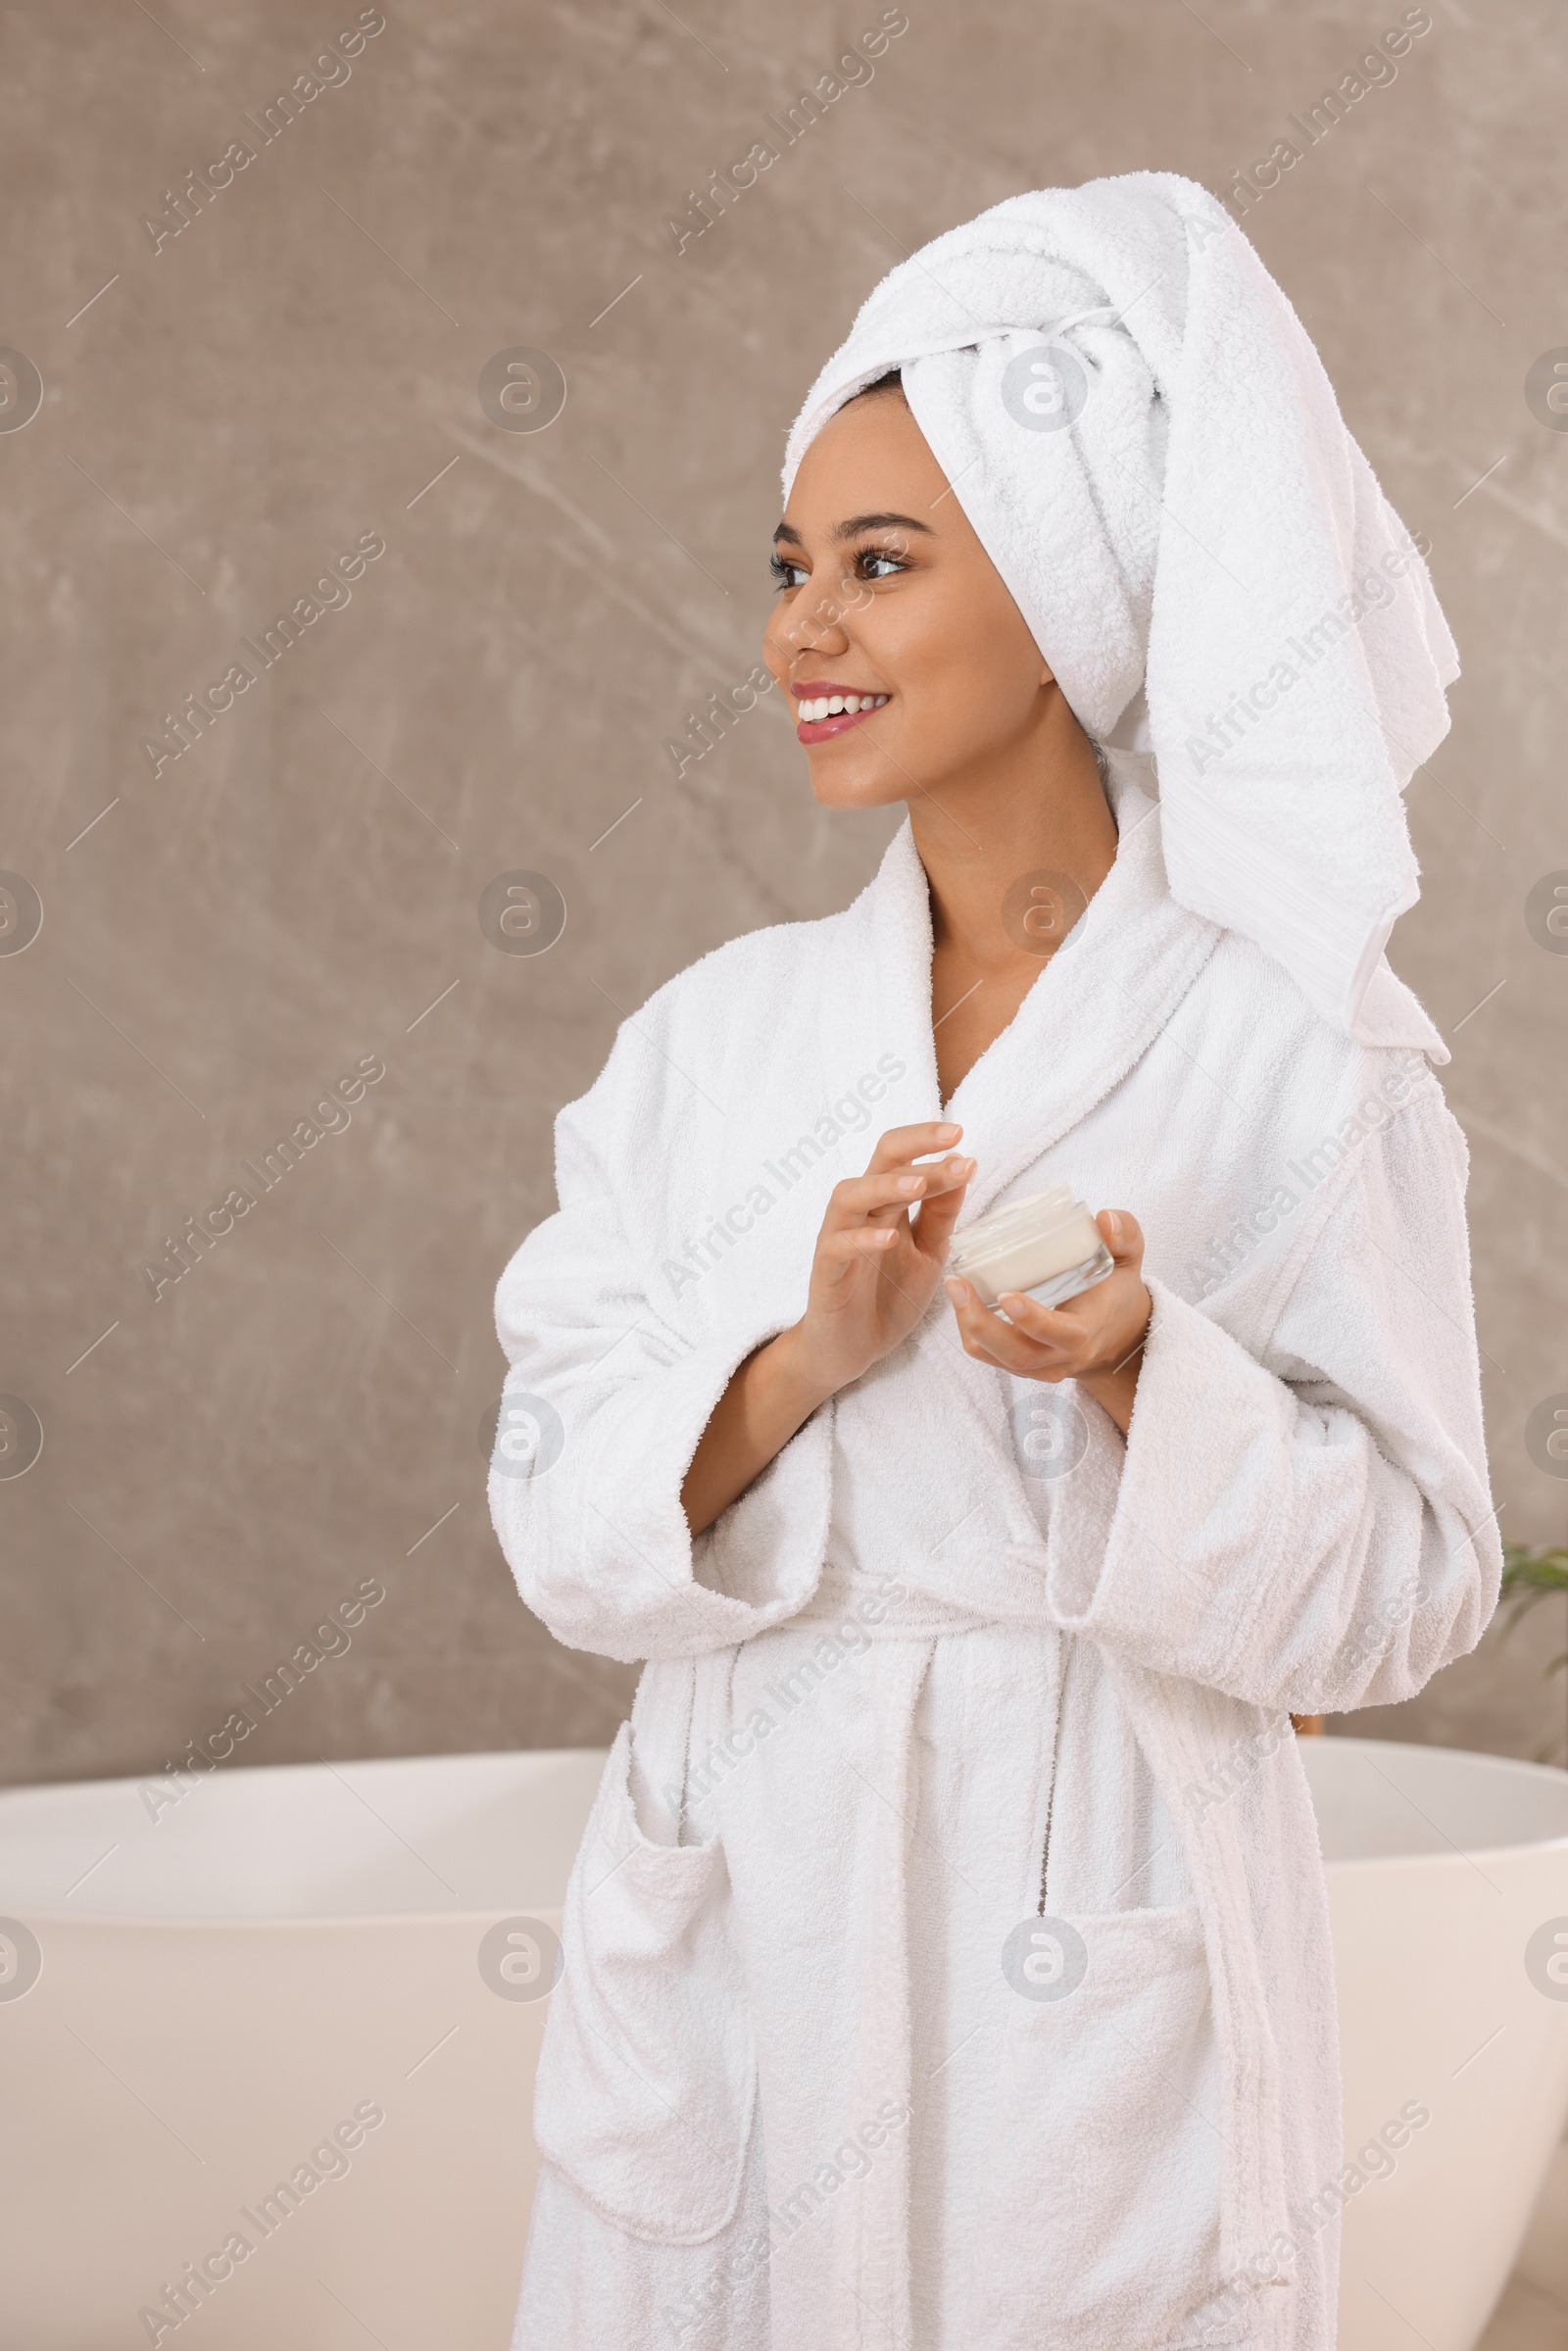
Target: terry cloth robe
947	1961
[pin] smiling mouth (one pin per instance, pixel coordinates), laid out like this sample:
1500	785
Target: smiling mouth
822	718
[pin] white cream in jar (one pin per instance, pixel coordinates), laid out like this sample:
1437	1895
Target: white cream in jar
1048	1245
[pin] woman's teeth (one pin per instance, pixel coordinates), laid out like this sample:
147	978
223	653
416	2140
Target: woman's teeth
829	706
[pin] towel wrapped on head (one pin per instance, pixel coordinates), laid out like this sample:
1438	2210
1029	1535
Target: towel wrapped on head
1138	429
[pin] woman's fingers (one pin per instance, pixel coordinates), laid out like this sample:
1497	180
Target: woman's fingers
893	1184
860	1241
993	1338
1122	1235
839	1253
893	1192
939	1211
900	1145
1047	1326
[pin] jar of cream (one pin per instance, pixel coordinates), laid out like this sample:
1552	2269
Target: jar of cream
1048	1245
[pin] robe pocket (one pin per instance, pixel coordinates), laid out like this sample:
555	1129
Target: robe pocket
647	2074
1099	2222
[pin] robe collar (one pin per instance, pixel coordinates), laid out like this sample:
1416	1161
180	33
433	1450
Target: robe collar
1096	1008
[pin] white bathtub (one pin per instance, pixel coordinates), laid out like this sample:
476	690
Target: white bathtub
223	1987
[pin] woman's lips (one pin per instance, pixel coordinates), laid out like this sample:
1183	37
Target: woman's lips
824	730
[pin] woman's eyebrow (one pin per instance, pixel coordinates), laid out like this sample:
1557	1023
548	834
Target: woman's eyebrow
856	525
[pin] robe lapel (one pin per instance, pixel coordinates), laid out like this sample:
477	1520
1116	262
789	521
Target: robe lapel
878	974
1094	1011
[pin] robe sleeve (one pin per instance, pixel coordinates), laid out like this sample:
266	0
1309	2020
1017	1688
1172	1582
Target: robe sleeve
610	1395
1312	1529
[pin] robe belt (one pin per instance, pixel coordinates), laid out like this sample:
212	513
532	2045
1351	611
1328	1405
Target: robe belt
884	1608
866	2303
871	2261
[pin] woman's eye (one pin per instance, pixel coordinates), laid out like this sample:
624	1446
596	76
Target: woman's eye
785	573
871	557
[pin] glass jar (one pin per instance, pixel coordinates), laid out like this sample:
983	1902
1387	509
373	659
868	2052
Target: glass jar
1048	1245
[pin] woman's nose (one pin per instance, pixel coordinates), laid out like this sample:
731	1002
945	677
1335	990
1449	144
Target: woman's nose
817	623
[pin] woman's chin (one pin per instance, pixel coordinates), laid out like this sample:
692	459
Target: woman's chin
848	775
867	786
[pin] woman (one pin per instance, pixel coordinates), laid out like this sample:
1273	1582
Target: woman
947	1961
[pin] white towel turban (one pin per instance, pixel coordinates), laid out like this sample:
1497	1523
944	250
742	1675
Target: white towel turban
1137	425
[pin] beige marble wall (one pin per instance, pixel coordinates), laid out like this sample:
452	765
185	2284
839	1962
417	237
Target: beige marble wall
226	410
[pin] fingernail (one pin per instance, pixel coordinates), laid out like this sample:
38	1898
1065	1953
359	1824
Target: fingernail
955	1289
910	1183
946	1127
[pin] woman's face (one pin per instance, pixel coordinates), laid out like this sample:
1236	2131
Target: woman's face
885	591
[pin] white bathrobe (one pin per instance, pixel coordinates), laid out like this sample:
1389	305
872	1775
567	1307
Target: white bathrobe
946	1963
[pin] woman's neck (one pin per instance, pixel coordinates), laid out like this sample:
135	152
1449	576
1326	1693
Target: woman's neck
1011	857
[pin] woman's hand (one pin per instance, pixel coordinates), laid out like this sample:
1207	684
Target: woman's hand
1096	1338
879	1256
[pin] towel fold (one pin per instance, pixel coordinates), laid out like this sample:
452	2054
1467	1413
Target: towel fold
1142	435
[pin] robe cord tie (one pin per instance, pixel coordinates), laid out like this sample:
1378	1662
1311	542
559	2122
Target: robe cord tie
1055	1760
